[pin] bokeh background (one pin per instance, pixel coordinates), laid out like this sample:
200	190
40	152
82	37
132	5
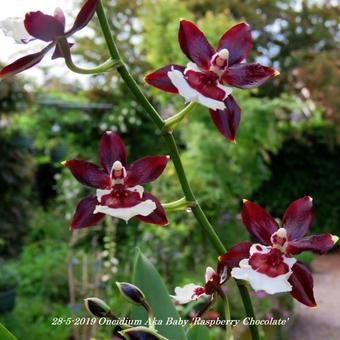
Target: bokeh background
287	147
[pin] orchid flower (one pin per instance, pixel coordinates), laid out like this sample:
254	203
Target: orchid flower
47	28
191	292
270	266
208	75
119	186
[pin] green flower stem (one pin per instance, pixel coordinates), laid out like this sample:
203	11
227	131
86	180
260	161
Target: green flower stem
106	66
123	71
228	332
178	205
172	122
174	153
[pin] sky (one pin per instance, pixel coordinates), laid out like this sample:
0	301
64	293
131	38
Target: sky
10	50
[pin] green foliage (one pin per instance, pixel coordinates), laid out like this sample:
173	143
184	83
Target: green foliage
198	333
42	269
16	177
307	164
8	276
146	277
32	319
5	334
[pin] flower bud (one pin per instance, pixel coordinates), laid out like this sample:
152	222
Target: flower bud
141	333
97	307
131	292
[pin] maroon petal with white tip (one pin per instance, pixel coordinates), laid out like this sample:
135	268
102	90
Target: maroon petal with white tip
157	216
160	79
237	40
227	120
247	76
302	283
88	174
258	222
145	170
235	254
42	26
24	63
84	16
83	216
298	218
111	149
194	44
320	244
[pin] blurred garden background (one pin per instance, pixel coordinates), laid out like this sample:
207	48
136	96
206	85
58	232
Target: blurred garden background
288	146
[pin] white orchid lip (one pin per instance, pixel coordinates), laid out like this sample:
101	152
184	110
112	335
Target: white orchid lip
14	28
186	293
177	78
261	281
144	208
191	291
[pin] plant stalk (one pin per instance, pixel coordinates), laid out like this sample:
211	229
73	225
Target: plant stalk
174	154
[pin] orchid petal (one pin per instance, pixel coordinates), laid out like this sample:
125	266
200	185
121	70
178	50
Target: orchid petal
24	63
143	208
157	216
298	218
302	283
259	281
206	86
228	119
160	79
235	254
192	95
42	26
111	149
247	76
258	222
185	294
88	173
145	170
14	27
59	15
320	244
84	16
194	44
84	216
237	40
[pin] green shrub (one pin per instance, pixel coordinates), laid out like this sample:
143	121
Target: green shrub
8	276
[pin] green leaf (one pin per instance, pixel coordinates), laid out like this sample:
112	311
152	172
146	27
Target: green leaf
146	277
198	332
6	334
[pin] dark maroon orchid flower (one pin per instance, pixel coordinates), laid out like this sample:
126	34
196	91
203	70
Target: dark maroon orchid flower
206	76
119	186
270	266
191	292
47	28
